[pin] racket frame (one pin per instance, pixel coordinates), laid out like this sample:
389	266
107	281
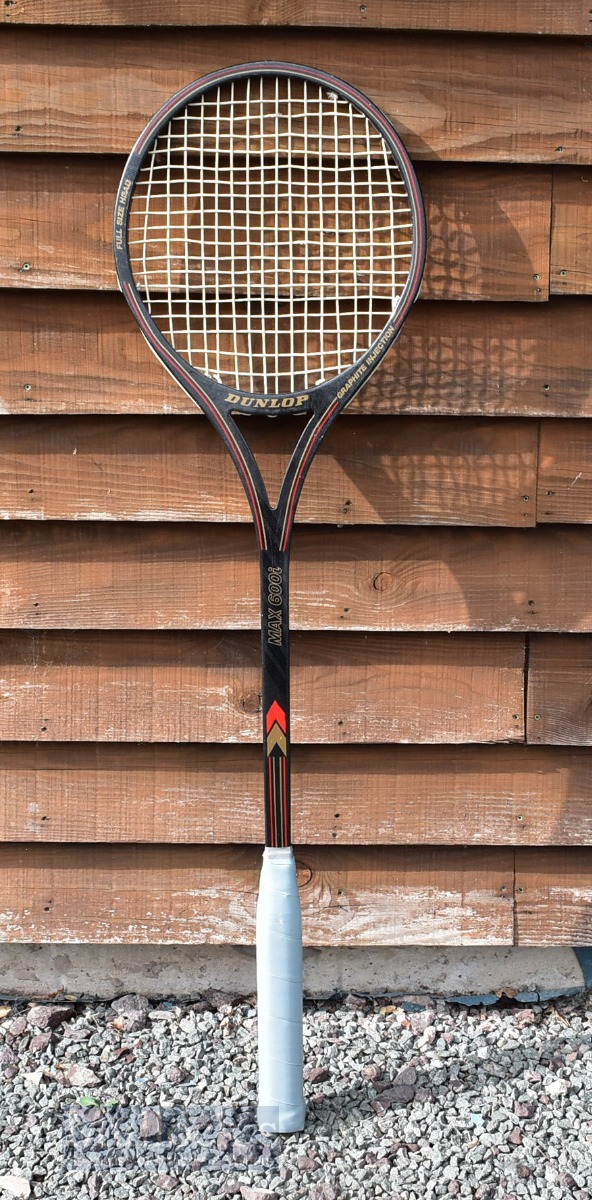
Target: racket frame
279	935
322	403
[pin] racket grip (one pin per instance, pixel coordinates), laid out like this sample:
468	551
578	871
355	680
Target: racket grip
281	1107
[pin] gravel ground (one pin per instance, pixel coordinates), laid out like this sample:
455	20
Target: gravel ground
407	1100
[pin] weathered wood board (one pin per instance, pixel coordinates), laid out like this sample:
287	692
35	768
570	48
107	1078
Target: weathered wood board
179	894
489	227
564	477
553	897
507	16
86	575
559	686
342	795
455	97
571	234
81	352
398	469
205	687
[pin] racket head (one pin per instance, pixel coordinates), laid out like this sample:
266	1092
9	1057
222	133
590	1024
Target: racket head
266	278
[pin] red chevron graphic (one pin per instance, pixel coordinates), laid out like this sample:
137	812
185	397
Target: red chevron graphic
276	714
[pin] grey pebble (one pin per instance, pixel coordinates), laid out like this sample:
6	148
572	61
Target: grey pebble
166	1183
323	1191
41	1041
254	1193
50	1016
317	1074
77	1075
398	1094
151	1124
176	1074
245	1152
93	1184
132	1002
17	1027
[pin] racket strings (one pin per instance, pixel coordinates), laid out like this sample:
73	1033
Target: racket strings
270	234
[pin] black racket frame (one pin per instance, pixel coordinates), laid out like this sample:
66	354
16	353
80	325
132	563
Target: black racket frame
322	404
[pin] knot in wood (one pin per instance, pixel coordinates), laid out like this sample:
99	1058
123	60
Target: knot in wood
383	581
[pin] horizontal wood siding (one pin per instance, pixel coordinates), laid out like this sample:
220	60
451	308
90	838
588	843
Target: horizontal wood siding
456	96
442	563
58	227
384	471
185	894
79	352
202	687
508	16
90	575
571	234
565	472
512	795
559	708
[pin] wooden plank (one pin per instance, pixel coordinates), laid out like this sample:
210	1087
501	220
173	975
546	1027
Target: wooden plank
565	472
342	795
508	16
454	97
134	576
56	232
409	470
559	680
184	895
81	352
571	238
553	900
489	228
205	687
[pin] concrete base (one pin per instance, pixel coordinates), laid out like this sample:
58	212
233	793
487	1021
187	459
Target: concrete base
104	971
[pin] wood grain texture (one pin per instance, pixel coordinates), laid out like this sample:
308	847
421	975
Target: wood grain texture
133	576
507	16
571	239
559	690
553	899
564	482
409	470
186	895
205	687
342	795
488	227
79	352
455	96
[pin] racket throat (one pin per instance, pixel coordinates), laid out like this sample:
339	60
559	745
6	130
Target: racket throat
276	696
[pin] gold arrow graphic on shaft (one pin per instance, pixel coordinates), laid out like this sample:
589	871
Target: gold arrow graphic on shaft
276	737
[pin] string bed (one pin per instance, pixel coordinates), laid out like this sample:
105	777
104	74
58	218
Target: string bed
270	234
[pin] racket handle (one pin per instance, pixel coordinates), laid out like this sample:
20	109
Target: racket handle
281	1107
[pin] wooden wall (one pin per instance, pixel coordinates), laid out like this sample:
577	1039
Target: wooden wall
442	581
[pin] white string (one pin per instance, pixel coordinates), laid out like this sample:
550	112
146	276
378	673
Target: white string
233	223
306	206
320	149
188	338
250	357
217	192
264	332
202	256
291	256
276	223
318	245
168	256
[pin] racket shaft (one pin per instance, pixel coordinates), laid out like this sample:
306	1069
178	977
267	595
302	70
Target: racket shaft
281	1106
276	698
